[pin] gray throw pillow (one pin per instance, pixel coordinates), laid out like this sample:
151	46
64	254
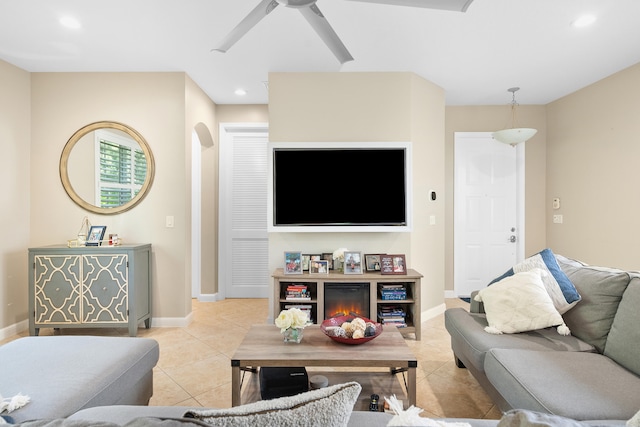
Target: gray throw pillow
623	342
601	290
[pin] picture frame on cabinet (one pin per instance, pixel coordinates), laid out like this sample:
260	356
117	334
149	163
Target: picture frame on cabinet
319	267
393	264
372	262
352	263
329	257
305	262
292	262
96	234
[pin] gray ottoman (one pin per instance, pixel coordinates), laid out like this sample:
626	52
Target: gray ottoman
64	374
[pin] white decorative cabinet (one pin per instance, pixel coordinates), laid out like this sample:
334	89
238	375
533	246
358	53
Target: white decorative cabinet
89	287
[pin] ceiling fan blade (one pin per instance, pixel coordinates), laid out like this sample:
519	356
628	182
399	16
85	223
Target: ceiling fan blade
454	5
317	20
263	9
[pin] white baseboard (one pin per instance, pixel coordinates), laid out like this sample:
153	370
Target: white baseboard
450	294
209	297
14	329
433	312
172	322
156	322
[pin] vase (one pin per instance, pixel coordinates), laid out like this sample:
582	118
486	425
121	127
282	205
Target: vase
293	335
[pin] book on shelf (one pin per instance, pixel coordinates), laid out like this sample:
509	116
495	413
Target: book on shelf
297	293
396	323
393	291
393	295
306	308
391	310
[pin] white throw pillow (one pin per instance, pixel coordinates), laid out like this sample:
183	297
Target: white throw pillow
520	303
329	406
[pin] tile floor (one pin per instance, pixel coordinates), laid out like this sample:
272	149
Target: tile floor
194	366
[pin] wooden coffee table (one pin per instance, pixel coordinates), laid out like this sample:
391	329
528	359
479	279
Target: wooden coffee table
263	346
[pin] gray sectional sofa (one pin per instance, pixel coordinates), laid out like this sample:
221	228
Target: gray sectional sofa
593	374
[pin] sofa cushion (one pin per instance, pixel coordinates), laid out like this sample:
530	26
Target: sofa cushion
330	406
578	385
623	341
520	303
524	418
63	374
560	288
601	289
470	342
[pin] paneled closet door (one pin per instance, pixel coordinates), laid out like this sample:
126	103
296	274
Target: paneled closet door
244	245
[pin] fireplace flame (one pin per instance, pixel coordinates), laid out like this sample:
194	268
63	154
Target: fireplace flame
344	310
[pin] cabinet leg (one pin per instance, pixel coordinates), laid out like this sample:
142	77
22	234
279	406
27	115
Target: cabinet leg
147	323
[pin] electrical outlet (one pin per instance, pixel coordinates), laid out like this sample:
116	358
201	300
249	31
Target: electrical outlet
557	219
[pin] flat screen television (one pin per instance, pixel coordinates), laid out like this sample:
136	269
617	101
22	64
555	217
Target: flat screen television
340	187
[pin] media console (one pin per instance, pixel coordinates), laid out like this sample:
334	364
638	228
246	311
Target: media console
315	287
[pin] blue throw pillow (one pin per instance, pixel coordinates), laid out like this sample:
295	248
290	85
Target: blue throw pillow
561	290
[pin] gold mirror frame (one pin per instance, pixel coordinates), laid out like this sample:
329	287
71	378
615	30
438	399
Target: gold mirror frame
64	172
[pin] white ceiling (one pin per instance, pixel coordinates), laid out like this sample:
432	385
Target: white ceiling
475	56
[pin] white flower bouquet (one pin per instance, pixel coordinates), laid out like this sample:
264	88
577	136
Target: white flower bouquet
338	254
291	318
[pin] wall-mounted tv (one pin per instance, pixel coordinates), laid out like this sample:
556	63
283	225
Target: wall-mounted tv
340	187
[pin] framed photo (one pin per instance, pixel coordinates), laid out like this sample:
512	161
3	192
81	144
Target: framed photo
293	263
319	267
352	263
96	234
305	262
393	264
372	262
329	258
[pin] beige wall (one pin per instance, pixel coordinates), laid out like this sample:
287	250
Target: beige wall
155	105
201	119
335	107
488	119
249	113
209	152
585	153
592	166
15	137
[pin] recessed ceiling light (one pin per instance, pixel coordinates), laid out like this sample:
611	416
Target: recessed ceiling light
240	92
583	21
70	22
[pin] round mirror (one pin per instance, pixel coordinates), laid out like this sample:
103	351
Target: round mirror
106	167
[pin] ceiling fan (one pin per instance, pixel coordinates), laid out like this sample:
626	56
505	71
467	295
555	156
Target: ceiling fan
316	19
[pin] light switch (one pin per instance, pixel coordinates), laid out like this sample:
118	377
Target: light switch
432	220
169	221
556	203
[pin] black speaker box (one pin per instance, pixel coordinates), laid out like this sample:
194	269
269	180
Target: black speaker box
278	382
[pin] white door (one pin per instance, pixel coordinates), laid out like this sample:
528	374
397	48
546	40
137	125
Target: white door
242	232
488	209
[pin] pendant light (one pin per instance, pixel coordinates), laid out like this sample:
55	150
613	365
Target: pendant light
514	135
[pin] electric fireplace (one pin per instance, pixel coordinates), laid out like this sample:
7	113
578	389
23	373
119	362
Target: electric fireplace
342	299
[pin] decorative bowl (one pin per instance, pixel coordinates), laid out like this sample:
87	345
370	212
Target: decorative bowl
339	320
